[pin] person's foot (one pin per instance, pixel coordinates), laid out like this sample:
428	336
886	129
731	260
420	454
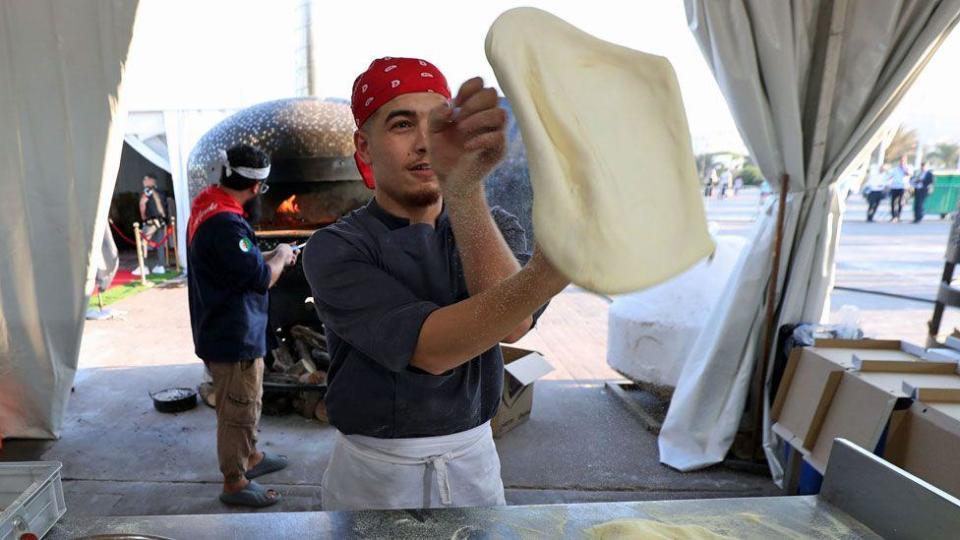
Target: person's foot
233	487
158	269
248	493
263	463
136	271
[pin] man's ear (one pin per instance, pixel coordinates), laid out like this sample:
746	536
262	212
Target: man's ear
361	140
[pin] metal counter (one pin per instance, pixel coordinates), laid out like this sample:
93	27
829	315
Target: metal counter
748	518
862	497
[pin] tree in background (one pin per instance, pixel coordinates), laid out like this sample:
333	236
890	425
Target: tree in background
720	162
904	143
944	155
706	162
750	174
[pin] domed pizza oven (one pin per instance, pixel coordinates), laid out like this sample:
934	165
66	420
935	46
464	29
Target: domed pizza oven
313	182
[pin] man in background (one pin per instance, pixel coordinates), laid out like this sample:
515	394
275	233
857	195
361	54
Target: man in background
897	180
922	186
153	215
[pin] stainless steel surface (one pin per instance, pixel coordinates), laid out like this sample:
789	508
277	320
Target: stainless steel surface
122	537
748	518
889	500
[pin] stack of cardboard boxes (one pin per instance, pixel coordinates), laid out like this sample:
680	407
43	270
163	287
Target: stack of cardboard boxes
894	398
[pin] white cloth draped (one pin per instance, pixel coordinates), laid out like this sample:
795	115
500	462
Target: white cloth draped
61	133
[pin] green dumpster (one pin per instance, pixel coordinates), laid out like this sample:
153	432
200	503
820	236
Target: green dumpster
946	190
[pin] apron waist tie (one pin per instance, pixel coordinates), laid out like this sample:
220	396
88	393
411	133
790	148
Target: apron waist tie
443	479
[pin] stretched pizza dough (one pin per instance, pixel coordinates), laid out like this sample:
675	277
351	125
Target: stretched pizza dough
616	197
645	529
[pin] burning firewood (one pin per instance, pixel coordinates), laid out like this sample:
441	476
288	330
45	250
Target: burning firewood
317	377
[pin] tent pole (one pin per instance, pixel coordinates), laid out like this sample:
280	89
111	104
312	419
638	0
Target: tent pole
176	243
760	369
834	20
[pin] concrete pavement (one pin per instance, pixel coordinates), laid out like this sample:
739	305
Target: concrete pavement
882	257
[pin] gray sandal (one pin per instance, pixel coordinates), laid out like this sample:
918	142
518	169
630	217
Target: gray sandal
270	463
253	496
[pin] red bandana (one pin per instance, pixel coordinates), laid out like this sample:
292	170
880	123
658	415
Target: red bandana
210	202
385	79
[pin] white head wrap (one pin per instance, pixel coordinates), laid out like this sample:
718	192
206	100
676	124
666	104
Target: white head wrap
246	172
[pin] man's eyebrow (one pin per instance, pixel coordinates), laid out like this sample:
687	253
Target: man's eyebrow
398	112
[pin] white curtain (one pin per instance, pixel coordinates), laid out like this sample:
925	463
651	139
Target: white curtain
810	83
184	128
61	132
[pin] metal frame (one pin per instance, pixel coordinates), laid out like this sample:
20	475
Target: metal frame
892	502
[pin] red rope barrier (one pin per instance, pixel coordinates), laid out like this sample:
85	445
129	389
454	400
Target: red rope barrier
168	230
166	234
118	231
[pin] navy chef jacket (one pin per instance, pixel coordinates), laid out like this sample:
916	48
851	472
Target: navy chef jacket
375	278
228	281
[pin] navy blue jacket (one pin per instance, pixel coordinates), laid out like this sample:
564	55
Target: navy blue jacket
375	279
228	281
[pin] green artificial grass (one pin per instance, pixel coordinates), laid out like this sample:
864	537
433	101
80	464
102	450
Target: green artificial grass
127	290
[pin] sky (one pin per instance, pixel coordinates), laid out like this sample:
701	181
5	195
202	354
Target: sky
235	53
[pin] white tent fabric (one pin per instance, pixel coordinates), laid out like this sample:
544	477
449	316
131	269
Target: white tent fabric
180	130
153	156
809	84
61	66
184	128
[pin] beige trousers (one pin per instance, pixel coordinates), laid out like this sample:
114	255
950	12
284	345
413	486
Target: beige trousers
238	387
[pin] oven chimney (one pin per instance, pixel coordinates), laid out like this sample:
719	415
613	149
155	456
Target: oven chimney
306	71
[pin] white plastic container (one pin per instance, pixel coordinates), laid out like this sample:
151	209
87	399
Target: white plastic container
31	498
650	333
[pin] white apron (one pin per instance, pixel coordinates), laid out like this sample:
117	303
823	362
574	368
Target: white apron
456	470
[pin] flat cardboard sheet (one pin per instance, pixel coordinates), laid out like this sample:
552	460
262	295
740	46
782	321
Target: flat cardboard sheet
808	385
859	412
893	382
528	368
926	442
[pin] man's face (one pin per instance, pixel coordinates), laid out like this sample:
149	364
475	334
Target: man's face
149	183
394	142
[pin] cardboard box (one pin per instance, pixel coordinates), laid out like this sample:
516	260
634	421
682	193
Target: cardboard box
926	442
815	401
521	369
863	390
842	351
813	374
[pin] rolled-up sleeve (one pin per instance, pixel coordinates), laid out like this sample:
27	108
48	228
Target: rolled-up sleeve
364	305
